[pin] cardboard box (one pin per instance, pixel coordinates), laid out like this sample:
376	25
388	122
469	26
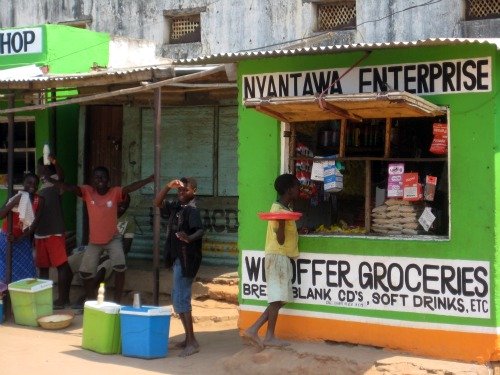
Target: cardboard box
412	190
395	173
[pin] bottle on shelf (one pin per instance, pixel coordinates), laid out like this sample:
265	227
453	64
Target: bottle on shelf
100	293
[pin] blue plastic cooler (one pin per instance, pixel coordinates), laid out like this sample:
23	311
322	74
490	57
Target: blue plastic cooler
145	331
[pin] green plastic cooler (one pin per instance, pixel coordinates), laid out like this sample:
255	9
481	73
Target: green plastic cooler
31	299
101	327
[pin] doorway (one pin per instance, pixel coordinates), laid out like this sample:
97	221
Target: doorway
103	147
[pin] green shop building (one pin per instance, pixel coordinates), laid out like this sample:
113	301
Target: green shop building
34	51
396	147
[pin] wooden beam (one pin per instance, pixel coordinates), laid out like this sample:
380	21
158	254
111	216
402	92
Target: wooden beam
387	138
343	136
368	194
342	113
90	79
271	113
90	98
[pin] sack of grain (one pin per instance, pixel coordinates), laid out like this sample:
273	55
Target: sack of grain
408	219
393	214
409	231
411	226
395	207
394	232
379	209
407	209
400	202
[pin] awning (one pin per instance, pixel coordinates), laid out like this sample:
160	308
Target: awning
354	107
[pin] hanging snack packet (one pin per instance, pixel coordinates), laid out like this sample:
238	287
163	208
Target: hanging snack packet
439	145
303	169
430	188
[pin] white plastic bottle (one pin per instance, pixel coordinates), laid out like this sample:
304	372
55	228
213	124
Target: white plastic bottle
100	294
46	153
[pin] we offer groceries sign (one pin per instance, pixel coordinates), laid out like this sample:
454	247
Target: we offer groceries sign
430	286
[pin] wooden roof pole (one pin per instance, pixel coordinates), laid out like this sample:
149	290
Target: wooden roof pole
157	182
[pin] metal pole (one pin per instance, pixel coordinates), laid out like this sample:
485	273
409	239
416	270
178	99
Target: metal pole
157	181
10	193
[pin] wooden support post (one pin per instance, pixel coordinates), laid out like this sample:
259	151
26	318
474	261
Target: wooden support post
157	181
368	194
343	135
293	141
387	142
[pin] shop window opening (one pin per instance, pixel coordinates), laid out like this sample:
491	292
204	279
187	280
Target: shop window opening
376	177
481	9
184	29
24	149
336	15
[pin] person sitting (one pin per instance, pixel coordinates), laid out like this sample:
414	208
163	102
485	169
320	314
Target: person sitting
102	205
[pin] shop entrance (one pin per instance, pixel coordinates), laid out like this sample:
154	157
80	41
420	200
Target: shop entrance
103	147
103	141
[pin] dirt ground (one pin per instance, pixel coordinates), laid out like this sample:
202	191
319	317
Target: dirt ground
27	350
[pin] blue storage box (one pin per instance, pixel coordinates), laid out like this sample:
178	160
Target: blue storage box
145	331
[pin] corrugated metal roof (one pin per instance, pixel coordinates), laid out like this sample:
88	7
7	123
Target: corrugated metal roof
248	55
94	74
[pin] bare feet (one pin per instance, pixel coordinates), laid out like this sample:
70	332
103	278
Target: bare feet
274	342
252	338
177	345
190	349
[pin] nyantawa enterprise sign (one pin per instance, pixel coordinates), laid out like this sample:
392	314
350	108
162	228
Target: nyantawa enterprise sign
20	41
430	286
440	77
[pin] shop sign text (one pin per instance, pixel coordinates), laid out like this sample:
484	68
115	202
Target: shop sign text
430	286
440	77
20	41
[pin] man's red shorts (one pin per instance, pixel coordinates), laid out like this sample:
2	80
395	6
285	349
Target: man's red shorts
50	251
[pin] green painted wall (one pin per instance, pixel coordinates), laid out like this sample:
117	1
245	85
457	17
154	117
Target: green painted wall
65	50
474	171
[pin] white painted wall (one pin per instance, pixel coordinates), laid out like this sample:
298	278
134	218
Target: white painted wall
236	25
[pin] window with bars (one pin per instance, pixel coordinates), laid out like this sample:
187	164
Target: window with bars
185	29
336	15
482	9
24	148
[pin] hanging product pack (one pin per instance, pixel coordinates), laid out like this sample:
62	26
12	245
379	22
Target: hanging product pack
332	178
439	145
